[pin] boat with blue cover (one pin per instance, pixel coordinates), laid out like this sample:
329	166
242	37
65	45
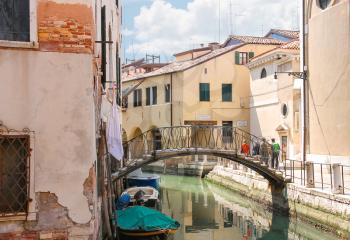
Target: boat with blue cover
140	221
140	179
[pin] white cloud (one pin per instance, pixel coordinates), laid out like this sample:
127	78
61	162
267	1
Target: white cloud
127	32
163	29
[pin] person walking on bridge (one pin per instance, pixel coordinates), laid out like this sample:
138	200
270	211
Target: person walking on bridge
264	152
245	148
275	153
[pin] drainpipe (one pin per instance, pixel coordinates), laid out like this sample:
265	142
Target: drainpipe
171	99
303	67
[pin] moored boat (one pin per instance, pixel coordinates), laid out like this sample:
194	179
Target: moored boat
140	179
149	195
139	221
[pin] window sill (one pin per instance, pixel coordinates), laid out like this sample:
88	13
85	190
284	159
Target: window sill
13	218
16	44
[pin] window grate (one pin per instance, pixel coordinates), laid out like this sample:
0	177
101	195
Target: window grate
14	174
14	20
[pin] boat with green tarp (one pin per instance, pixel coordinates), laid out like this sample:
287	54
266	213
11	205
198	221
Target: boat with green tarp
139	221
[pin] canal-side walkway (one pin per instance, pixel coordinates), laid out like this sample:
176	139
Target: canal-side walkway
312	204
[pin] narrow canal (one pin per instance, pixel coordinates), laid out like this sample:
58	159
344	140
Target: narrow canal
207	211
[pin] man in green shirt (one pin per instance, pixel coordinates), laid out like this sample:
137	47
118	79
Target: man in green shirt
275	153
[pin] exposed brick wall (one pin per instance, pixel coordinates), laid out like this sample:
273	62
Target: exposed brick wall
66	35
65	27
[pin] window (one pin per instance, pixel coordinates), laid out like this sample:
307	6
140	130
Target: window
167	93
154	95
242	58
205	70
151	96
14	174
227	92
148	96
284	110
137	97
15	20
263	73
204	92
323	3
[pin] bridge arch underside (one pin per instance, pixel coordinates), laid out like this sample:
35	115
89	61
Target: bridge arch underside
275	179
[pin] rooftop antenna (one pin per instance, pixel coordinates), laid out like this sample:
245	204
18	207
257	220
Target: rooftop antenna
219	21
230	19
233	23
133	49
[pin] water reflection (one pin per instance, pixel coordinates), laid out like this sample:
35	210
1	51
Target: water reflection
207	211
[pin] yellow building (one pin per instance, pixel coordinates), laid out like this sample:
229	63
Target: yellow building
205	88
275	103
328	61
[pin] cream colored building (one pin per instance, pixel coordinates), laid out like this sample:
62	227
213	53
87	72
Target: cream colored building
328	61
275	103
208	89
50	96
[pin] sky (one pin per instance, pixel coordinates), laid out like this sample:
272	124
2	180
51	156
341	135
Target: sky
165	27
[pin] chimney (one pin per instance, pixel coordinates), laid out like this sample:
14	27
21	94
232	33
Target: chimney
214	45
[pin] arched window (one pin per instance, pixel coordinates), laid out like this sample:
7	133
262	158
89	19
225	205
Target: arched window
284	110
263	73
323	3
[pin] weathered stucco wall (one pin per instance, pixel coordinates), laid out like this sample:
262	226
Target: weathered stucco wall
268	95
329	66
46	93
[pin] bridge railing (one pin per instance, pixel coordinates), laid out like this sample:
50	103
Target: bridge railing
189	137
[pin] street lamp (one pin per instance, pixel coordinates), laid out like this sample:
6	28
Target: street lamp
301	75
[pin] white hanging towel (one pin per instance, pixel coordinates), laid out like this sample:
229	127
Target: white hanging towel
114	138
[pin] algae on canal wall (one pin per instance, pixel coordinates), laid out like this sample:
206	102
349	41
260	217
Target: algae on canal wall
325	211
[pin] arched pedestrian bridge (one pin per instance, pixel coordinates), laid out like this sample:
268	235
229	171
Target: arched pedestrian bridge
167	142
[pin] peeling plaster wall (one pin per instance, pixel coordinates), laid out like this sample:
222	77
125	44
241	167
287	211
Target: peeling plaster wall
51	94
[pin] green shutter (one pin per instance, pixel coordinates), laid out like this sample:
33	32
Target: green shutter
251	55
204	92
236	57
148	96
227	92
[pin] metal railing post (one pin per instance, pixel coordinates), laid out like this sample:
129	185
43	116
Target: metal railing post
310	179
338	187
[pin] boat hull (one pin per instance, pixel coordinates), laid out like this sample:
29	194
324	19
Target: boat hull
147	234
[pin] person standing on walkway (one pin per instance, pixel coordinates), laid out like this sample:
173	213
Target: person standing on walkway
264	151
275	153
245	148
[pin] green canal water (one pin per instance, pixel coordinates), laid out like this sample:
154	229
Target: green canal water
210	212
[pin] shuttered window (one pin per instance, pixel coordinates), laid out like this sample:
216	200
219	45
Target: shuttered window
137	97
204	92
242	58
148	96
167	93
154	95
14	20
227	92
151	96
